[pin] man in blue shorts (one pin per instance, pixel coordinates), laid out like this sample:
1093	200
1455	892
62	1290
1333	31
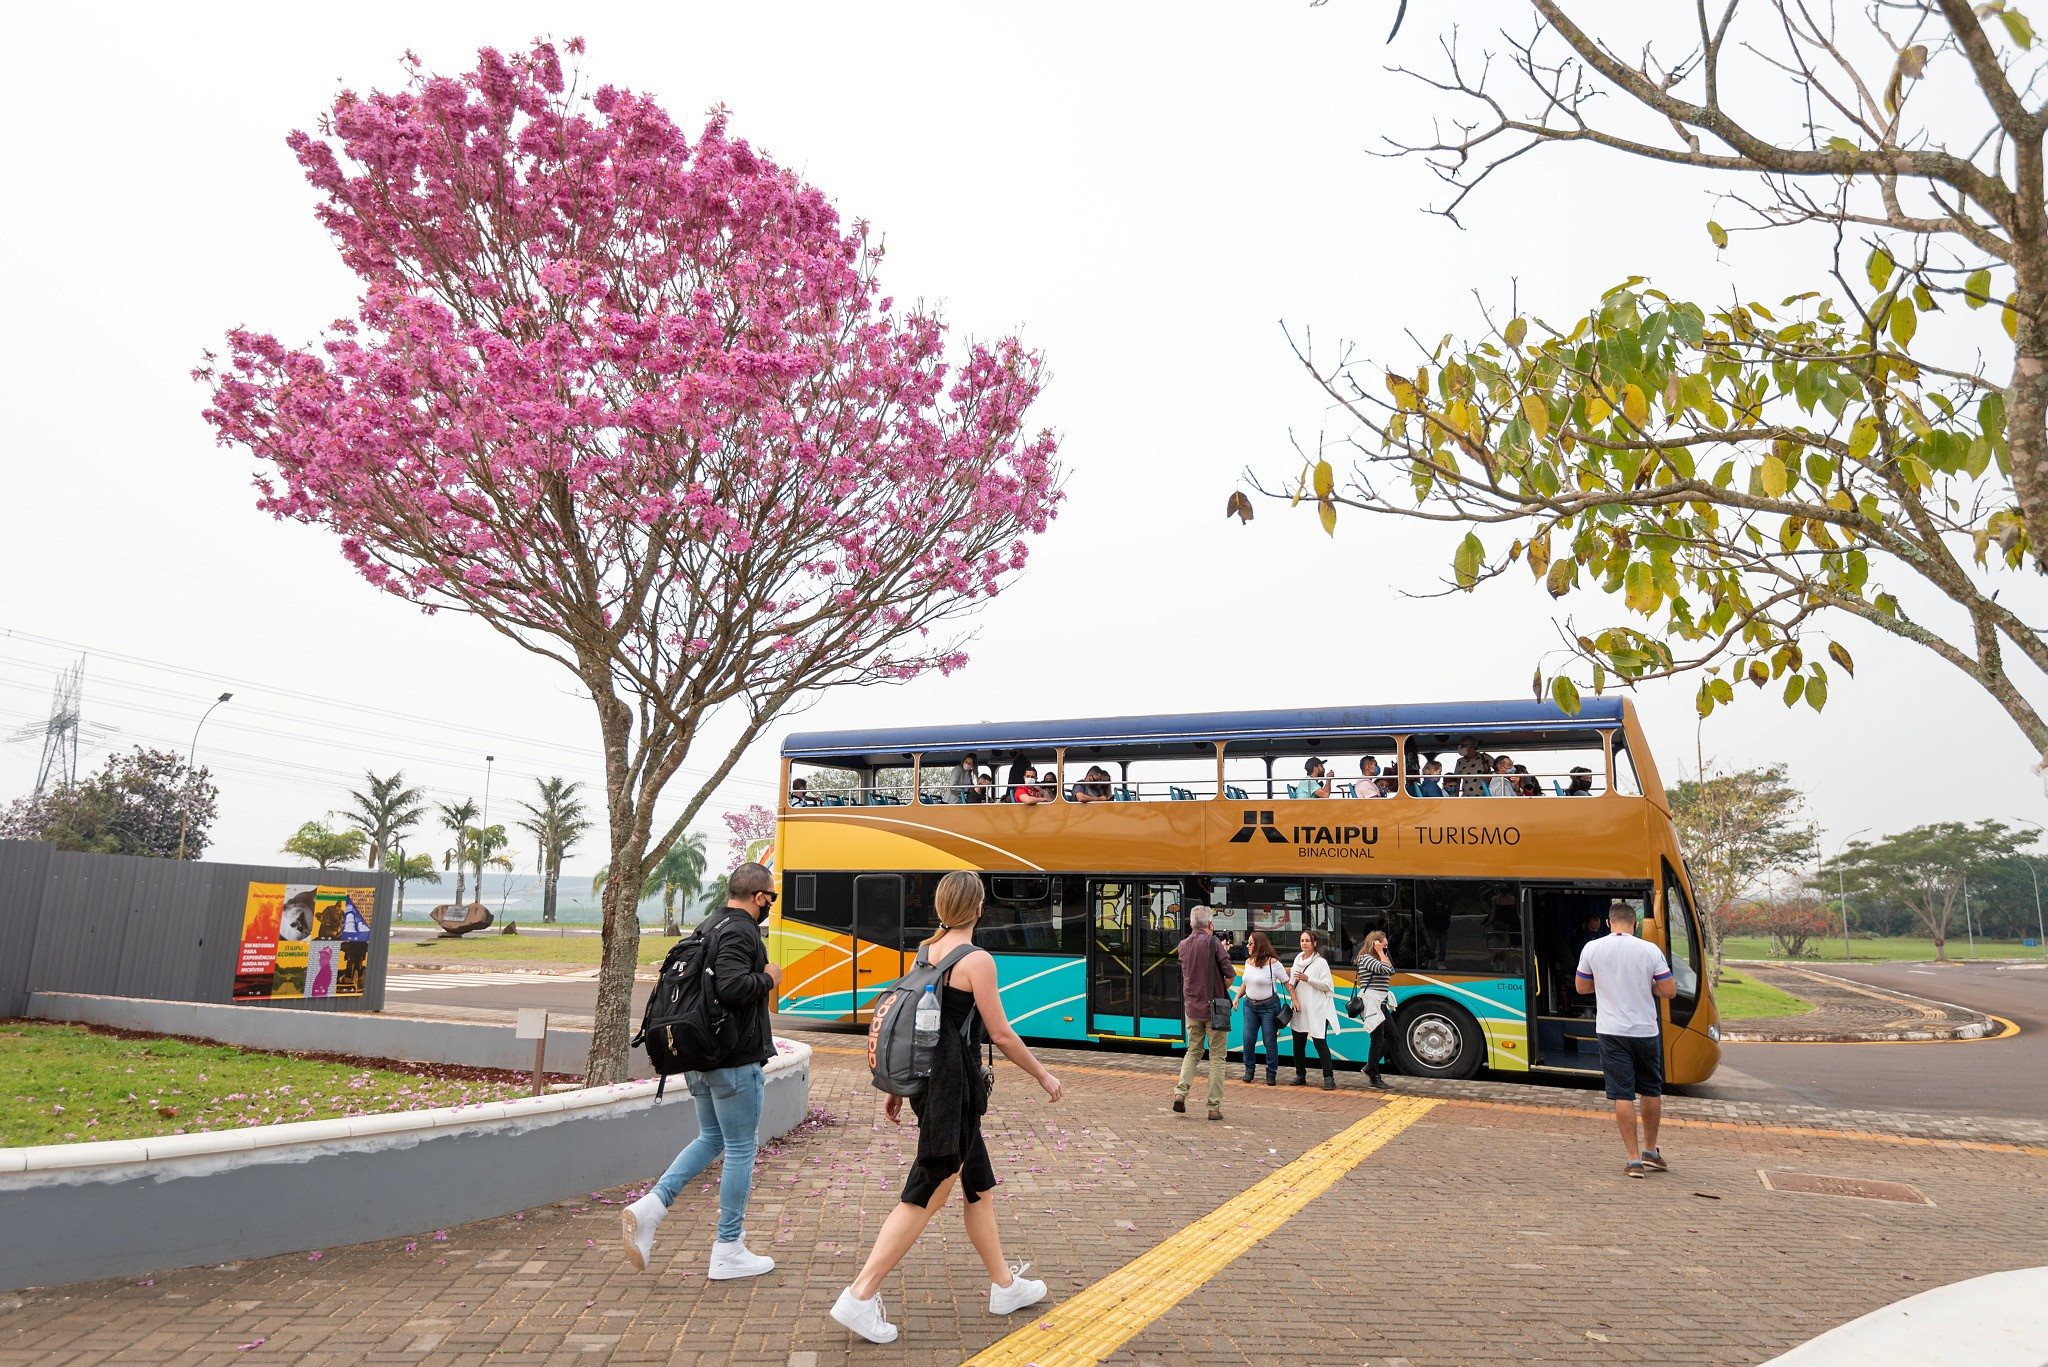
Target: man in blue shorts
1626	976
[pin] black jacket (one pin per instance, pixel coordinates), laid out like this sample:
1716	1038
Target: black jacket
741	982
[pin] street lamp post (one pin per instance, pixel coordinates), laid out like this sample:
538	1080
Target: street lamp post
185	812
1968	929
2040	927
483	827
1842	888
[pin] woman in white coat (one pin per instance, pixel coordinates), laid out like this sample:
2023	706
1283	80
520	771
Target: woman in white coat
1315	1008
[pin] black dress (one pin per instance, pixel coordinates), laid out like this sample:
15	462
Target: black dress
949	1113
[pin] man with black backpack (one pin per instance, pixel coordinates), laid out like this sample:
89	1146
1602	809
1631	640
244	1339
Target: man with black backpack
742	989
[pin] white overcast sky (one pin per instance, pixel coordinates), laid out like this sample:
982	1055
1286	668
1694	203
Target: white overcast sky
1145	190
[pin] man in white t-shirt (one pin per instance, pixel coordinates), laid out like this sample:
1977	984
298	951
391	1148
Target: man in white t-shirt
1626	976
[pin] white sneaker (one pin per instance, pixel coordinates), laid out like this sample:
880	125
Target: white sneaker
729	1262
865	1318
1021	1291
638	1222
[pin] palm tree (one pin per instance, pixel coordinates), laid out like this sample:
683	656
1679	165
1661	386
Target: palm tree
680	873
557	821
456	816
480	845
385	813
409	868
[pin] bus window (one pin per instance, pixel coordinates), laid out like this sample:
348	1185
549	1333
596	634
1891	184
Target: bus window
1022	916
830	785
1470	925
830	907
942	779
1350	910
1273	905
1683	948
1625	781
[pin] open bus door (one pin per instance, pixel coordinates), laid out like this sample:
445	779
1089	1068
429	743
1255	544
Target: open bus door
1134	991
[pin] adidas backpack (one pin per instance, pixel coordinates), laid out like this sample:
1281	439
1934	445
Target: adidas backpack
898	1066
684	1028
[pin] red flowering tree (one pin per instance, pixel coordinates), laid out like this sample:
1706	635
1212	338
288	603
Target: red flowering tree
637	403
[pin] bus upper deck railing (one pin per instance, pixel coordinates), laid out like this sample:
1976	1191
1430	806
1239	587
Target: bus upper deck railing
1573	783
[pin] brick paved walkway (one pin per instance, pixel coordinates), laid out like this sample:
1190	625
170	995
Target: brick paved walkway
1486	1232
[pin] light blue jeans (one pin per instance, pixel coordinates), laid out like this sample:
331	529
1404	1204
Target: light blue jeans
728	1123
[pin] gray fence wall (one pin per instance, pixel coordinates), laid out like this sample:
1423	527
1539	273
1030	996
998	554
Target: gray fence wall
130	927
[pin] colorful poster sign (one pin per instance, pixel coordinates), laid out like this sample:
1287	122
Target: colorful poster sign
303	940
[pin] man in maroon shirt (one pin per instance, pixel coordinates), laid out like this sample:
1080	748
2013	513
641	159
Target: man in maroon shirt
1205	974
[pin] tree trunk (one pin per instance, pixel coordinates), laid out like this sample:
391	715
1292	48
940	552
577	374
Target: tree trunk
620	957
401	899
547	896
668	912
460	874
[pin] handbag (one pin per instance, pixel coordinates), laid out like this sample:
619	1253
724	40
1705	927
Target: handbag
1356	1007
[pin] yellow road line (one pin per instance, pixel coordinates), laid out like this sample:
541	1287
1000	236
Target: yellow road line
1090	1326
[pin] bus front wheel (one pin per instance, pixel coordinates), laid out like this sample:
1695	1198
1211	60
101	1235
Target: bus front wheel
1436	1038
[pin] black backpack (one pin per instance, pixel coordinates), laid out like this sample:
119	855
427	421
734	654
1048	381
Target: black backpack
684	1028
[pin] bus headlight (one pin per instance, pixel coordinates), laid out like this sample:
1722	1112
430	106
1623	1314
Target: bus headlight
1714	1033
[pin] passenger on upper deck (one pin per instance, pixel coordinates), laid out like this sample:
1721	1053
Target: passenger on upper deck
800	793
988	787
1582	782
1432	784
1473	766
1024	784
965	783
1370	769
1317	784
1525	782
1094	786
1502	784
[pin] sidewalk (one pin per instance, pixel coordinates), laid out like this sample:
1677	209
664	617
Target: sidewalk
1845	1010
1485	1231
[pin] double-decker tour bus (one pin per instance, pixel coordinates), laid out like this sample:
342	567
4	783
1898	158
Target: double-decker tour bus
1487	840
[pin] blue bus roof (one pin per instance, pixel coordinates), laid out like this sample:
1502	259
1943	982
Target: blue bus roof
1323	726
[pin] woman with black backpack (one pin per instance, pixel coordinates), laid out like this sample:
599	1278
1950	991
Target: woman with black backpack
949	1111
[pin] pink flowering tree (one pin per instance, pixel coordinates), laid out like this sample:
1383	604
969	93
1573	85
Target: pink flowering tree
746	829
638	403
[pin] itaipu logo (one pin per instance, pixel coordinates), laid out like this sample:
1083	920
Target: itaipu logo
1310	842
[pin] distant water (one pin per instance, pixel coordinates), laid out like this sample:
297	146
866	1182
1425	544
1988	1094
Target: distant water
517	897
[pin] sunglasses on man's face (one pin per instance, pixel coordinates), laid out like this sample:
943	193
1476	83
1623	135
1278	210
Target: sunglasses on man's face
771	896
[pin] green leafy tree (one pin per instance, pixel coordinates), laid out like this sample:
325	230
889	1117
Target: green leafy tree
680	873
1923	869
384	810
322	846
558	821
455	819
1740	832
133	805
409	868
1743	479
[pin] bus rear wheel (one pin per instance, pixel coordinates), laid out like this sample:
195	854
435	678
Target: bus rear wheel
1436	1038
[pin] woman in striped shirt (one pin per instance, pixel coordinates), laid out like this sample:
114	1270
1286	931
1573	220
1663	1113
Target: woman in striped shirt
1375	986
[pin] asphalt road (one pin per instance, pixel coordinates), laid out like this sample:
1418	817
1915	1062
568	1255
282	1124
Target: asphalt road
1998	1077
1994	1077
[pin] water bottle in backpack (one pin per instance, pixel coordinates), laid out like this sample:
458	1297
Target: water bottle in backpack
925	1039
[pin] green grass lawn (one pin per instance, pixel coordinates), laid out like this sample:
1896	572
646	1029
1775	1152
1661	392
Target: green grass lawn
65	1083
1909	947
489	947
1745	998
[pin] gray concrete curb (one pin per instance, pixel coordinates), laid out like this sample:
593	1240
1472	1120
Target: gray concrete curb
80	1212
1968	1024
383	1035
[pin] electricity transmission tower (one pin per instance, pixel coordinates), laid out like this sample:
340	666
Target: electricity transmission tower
59	767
